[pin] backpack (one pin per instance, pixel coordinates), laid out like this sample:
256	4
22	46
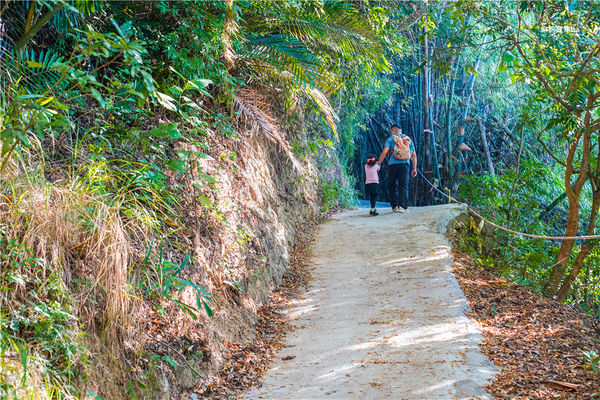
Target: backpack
402	148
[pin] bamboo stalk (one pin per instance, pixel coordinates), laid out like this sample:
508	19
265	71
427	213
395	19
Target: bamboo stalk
485	146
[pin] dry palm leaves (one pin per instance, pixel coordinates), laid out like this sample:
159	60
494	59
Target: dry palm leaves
254	110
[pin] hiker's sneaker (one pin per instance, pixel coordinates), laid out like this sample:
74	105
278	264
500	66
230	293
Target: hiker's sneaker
396	209
402	210
374	213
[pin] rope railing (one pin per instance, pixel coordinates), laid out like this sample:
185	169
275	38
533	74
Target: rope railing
498	226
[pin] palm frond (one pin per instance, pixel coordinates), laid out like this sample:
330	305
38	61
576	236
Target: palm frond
21	20
36	70
332	28
310	47
321	100
253	110
285	54
343	38
13	20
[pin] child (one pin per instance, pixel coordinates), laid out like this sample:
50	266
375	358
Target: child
372	182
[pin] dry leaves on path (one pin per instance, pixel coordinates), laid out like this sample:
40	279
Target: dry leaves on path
535	341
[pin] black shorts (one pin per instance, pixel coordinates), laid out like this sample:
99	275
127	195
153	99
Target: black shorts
371	188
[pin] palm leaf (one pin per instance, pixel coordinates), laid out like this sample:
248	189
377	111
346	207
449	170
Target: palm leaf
36	70
21	20
73	15
285	54
294	46
13	19
253	109
321	100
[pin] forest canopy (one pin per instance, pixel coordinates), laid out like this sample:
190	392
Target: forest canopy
111	114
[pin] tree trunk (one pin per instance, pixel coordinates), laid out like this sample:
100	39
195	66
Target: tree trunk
428	128
587	246
425	102
449	163
463	119
229	29
574	196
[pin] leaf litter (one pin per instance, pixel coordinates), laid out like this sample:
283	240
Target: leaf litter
536	342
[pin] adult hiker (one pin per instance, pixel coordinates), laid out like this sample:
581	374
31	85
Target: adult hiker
403	152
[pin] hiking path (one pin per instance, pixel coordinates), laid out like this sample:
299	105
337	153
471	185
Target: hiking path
383	316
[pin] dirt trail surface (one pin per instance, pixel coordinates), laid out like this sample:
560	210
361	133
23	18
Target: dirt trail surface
383	317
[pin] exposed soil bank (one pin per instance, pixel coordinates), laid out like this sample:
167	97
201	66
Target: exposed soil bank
245	363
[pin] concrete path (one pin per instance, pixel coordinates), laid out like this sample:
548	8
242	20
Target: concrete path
383	319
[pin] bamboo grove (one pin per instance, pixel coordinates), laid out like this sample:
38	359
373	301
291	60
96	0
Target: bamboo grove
502	102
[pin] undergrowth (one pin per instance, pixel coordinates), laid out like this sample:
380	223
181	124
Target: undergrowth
527	261
67	249
39	332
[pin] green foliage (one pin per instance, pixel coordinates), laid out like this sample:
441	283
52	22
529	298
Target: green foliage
335	194
118	100
592	360
526	201
540	51
37	324
516	199
586	288
311	48
164	279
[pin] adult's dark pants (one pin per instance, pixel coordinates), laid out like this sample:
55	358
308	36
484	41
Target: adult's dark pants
397	184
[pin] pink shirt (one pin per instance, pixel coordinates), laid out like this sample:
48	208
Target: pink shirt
371	172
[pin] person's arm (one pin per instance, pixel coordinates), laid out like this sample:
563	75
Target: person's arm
383	154
413	158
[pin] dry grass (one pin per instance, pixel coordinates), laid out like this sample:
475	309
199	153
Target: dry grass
35	388
71	230
83	238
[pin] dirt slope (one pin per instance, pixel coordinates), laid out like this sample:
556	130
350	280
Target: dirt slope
383	318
